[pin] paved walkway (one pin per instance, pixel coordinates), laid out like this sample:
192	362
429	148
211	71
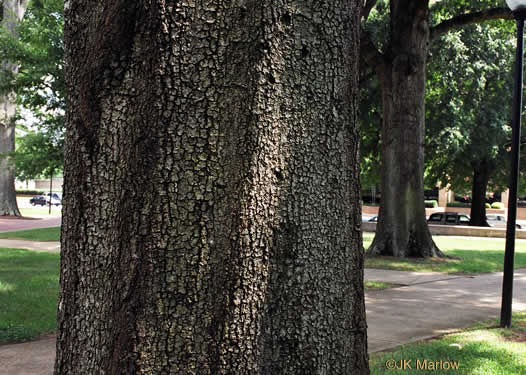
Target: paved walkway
427	305
49	246
12	224
430	307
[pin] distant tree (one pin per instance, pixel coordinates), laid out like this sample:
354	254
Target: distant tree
11	12
38	51
395	45
468	111
39	153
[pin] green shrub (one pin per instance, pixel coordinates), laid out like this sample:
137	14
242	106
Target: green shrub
30	192
431	204
497	205
488	205
459	204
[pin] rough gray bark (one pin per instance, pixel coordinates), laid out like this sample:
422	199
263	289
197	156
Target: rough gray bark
12	13
211	222
402	228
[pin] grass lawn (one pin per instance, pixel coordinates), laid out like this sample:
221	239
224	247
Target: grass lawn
41	212
42	234
469	256
28	294
483	349
376	285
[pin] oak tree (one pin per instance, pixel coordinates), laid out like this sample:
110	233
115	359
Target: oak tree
397	53
37	51
11	12
211	222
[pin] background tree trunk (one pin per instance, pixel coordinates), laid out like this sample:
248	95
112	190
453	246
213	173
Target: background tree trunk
12	13
481	173
211	222
8	205
402	228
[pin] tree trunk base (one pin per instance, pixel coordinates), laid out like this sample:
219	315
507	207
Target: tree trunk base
10	214
414	246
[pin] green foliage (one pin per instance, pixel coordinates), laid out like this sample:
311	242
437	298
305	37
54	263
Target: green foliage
468	104
487	205
497	205
39	53
29	192
378	285
444	9
39	85
39	154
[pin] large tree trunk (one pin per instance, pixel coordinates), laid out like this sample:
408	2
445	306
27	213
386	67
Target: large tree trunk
211	222
8	204
12	13
402	229
481	172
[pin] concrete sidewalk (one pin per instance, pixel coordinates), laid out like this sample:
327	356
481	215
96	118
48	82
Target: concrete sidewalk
14	224
404	278
426	309
30	358
48	246
428	304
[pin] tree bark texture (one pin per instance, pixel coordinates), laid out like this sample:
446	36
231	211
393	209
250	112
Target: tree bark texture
12	13
211	222
402	229
481	172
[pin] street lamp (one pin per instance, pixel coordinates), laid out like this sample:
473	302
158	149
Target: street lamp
518	8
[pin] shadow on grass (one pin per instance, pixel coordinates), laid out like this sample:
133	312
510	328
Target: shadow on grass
28	306
461	262
480	351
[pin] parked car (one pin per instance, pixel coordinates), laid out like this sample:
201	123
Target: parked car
40	200
54	201
54	195
449	218
499	221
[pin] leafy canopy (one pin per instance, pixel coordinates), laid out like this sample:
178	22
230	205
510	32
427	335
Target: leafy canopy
38	51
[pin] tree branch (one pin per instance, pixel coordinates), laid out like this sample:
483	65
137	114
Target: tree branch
469	18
